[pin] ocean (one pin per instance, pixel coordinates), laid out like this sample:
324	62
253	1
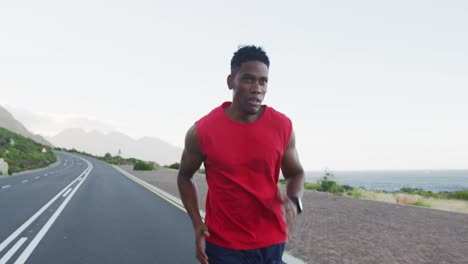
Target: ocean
394	180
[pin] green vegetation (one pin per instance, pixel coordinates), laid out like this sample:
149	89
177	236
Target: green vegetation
311	186
116	160
458	195
354	193
323	185
326	184
281	183
22	153
141	165
421	203
174	166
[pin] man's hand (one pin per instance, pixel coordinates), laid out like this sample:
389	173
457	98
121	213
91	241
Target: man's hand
200	233
290	211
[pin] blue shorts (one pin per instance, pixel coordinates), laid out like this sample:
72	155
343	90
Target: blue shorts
267	255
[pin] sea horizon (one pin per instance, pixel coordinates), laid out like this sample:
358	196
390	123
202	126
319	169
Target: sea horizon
436	180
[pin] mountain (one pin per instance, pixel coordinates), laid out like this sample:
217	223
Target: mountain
9	122
98	143
49	124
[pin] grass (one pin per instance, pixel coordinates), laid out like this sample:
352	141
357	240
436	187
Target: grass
460	195
355	193
311	186
308	185
422	204
457	195
22	153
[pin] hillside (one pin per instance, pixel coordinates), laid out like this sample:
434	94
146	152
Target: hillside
22	153
97	143
9	122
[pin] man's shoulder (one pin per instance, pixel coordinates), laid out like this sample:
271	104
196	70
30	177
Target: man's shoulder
277	115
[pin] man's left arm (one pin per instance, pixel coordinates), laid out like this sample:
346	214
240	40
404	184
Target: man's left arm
292	170
294	175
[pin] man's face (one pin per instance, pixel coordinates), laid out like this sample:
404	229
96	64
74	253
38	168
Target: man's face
249	86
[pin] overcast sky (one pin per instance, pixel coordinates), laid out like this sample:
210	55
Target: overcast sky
368	84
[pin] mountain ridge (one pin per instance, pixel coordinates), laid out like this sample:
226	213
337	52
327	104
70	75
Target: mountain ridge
100	143
8	121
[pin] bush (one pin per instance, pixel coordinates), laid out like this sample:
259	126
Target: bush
141	165
174	166
326	185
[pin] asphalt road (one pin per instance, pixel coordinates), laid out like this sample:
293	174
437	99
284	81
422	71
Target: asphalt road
84	211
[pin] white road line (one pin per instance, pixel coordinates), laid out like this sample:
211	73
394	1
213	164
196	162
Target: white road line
30	248
66	193
18	231
45	174
25	181
37	177
6	186
13	250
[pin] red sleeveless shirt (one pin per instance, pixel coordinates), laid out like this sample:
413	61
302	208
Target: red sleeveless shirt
242	164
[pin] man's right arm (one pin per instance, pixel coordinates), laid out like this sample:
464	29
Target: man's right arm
191	161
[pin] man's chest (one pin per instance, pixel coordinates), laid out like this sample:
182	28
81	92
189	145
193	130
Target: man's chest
248	147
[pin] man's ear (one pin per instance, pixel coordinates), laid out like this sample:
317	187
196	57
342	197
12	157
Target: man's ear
229	81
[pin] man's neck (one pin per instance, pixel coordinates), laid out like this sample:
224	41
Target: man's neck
239	116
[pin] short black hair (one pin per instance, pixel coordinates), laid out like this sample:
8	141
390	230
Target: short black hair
248	53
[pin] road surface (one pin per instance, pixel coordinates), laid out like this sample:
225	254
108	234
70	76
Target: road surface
84	211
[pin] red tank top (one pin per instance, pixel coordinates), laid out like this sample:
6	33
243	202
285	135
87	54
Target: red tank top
242	164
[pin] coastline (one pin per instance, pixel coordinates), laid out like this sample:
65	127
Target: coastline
393	180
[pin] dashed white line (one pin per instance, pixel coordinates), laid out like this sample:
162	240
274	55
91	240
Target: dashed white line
26	224
67	192
37	177
25	181
6	186
30	248
13	250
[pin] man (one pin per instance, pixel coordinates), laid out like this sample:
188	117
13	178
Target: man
243	146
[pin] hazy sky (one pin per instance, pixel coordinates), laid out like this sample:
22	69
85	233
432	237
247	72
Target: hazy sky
368	84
